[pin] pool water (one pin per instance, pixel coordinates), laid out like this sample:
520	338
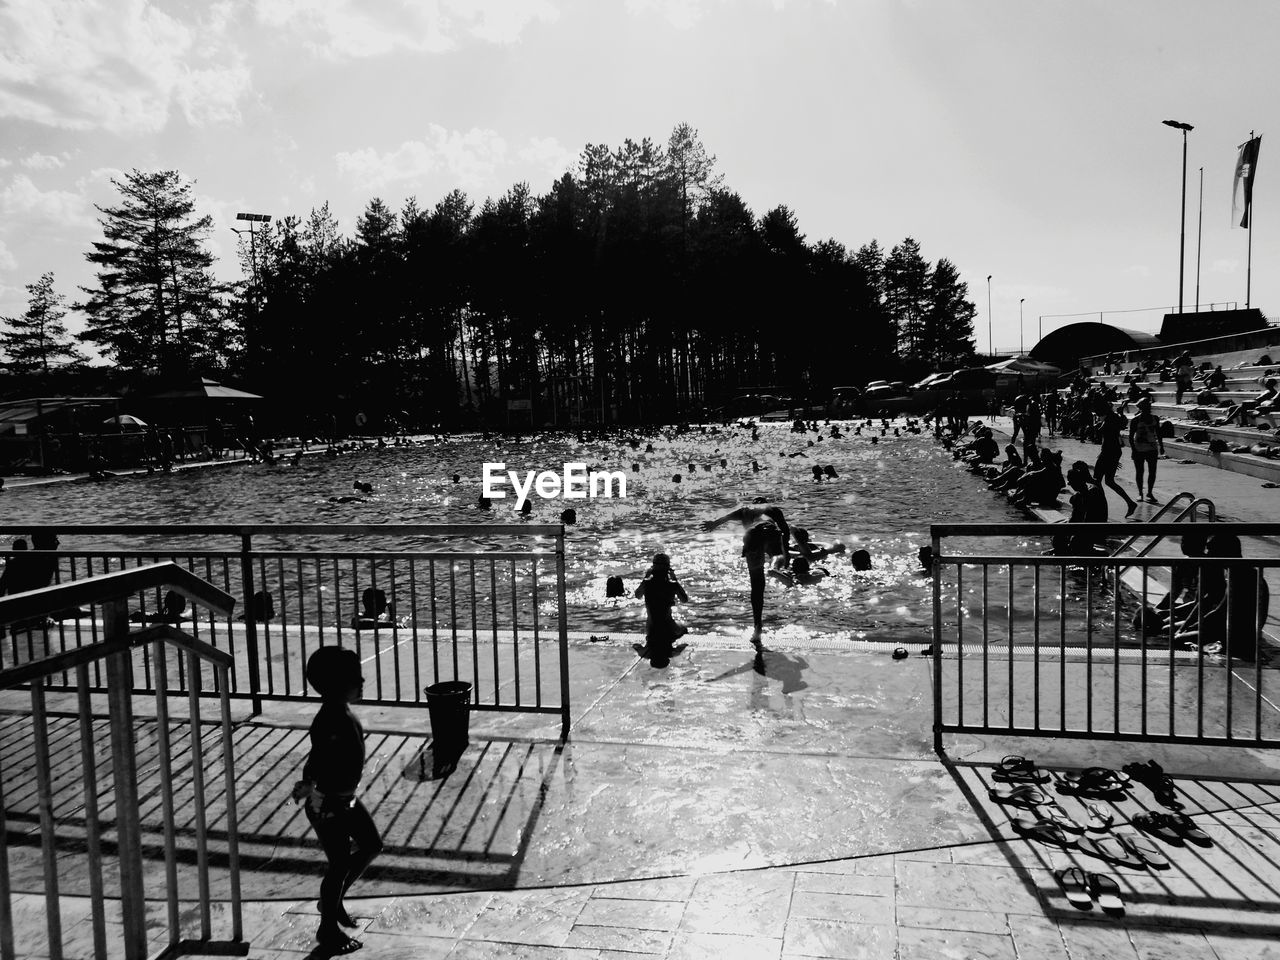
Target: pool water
885	496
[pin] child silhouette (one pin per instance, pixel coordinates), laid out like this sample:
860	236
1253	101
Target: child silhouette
328	787
659	589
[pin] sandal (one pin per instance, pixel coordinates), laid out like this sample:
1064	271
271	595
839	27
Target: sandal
1043	830
1106	891
1110	849
1054	814
1075	883
1016	769
1173	828
1099	818
1144	850
1156	825
1025	795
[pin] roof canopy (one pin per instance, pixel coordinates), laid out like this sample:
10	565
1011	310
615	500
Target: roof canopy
205	389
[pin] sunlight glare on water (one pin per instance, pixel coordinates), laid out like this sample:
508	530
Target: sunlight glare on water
883	500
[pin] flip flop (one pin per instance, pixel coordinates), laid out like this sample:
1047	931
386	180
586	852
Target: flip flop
1099	818
1075	883
1185	827
1044	831
1110	849
1098	778
1144	849
1015	769
1106	891
1026	795
1055	814
1157	825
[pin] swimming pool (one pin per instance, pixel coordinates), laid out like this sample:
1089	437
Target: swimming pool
885	496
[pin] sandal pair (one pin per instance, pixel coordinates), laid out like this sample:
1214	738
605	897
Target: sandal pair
1094	782
1125	849
1172	828
1016	769
1083	888
1151	775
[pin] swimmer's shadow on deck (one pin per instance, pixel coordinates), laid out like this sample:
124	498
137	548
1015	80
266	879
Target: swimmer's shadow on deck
787	669
1229	888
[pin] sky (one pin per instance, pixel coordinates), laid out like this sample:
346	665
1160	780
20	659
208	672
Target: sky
1022	141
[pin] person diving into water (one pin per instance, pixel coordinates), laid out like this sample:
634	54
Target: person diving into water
766	540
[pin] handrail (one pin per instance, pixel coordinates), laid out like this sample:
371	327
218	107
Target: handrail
111	592
336	529
68	660
112	586
1159	513
1188	511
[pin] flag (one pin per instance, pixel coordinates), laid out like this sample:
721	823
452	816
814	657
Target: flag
1242	188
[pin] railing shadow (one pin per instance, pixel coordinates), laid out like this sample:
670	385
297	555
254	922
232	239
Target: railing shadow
1227	888
468	830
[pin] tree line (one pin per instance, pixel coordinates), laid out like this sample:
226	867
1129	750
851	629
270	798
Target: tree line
639	284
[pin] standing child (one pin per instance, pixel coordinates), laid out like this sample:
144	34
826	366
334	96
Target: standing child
659	590
328	787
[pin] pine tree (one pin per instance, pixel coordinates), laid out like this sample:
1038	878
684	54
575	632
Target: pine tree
39	336
906	281
156	304
949	318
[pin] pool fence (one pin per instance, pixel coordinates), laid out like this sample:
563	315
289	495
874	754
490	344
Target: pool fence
1033	644
419	604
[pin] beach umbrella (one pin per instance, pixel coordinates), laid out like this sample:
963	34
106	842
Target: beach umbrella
125	423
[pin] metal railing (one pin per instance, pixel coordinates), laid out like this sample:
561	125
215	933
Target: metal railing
68	805
1028	644
1188	512
483	603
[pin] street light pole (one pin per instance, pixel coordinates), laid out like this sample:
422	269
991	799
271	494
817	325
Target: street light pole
1182	236
1022	347
251	219
991	350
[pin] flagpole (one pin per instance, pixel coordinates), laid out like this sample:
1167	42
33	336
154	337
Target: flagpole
1248	213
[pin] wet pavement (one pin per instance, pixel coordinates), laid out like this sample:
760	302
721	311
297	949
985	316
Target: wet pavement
786	805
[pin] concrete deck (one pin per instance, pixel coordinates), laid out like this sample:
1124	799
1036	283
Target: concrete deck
786	806
789	805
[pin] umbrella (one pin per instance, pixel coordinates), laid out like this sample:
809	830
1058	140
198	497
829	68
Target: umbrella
126	423
1025	365
206	389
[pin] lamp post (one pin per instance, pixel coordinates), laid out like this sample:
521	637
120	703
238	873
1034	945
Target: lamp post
1022	348
991	350
1182	236
251	219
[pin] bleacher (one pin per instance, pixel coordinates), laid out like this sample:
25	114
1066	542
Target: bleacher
1244	375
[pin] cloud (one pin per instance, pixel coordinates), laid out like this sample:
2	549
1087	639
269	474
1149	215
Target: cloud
7	260
44	161
471	160
341	29
121	66
25	205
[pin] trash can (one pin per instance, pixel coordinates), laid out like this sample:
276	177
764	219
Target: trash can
449	704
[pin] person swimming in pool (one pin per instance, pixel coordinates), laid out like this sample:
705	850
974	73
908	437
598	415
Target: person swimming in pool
766	535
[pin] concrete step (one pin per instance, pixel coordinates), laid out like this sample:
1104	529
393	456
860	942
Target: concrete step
1246	463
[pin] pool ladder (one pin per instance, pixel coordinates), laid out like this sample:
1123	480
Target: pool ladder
1189	511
